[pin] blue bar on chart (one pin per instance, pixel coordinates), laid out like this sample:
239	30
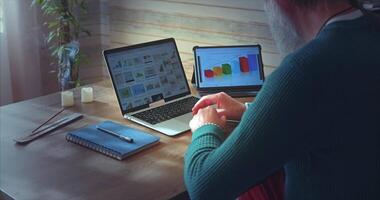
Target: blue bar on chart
252	62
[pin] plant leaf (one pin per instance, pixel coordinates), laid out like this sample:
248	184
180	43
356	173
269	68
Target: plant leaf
51	36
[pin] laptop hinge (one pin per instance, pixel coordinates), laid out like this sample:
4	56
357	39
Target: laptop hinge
157	103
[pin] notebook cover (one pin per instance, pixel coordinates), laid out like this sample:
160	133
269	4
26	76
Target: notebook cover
110	145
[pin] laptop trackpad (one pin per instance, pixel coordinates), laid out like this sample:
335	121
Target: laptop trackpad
175	126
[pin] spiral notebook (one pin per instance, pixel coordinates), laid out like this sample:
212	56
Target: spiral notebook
111	145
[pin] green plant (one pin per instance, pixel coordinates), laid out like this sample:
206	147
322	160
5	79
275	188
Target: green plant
64	28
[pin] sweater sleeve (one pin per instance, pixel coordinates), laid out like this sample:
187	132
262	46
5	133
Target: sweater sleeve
273	130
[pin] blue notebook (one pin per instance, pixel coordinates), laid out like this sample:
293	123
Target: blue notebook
109	144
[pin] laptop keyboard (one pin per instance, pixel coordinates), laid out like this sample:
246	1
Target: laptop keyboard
167	111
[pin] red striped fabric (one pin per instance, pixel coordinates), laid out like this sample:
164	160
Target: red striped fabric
272	188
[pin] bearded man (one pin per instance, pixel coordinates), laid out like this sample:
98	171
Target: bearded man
317	115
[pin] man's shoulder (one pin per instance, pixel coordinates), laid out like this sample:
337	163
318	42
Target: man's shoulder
314	51
336	47
313	61
334	53
308	59
342	43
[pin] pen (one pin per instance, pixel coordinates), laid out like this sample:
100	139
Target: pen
125	138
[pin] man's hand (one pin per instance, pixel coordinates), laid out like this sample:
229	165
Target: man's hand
207	115
226	105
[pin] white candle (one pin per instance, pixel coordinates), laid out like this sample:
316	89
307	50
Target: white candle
67	98
87	95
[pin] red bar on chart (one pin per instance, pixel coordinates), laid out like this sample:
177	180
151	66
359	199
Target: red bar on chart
209	73
244	67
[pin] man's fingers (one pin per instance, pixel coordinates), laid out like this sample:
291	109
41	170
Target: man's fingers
204	102
224	119
209	100
221	112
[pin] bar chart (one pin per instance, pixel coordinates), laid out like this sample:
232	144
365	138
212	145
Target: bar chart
244	64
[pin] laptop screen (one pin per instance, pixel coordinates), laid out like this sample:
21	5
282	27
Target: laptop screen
231	66
146	73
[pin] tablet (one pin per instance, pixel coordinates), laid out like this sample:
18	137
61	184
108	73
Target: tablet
228	68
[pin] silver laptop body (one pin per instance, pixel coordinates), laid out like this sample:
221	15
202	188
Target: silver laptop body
169	127
148	76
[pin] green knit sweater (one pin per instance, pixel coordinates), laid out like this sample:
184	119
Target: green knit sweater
317	116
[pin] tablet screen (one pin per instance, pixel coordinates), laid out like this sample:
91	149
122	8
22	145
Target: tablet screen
234	66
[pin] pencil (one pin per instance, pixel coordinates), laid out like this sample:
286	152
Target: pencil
48	120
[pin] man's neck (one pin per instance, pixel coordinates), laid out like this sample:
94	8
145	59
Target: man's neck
310	22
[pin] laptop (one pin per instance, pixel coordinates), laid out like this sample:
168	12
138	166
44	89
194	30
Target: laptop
151	85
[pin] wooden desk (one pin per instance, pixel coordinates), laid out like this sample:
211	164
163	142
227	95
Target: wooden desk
51	168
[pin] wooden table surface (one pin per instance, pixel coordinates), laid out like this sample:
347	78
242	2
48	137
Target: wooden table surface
52	168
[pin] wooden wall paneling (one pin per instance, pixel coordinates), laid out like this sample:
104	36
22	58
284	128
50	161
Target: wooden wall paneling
254	16
240	4
94	21
105	23
193	36
190	22
206	25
